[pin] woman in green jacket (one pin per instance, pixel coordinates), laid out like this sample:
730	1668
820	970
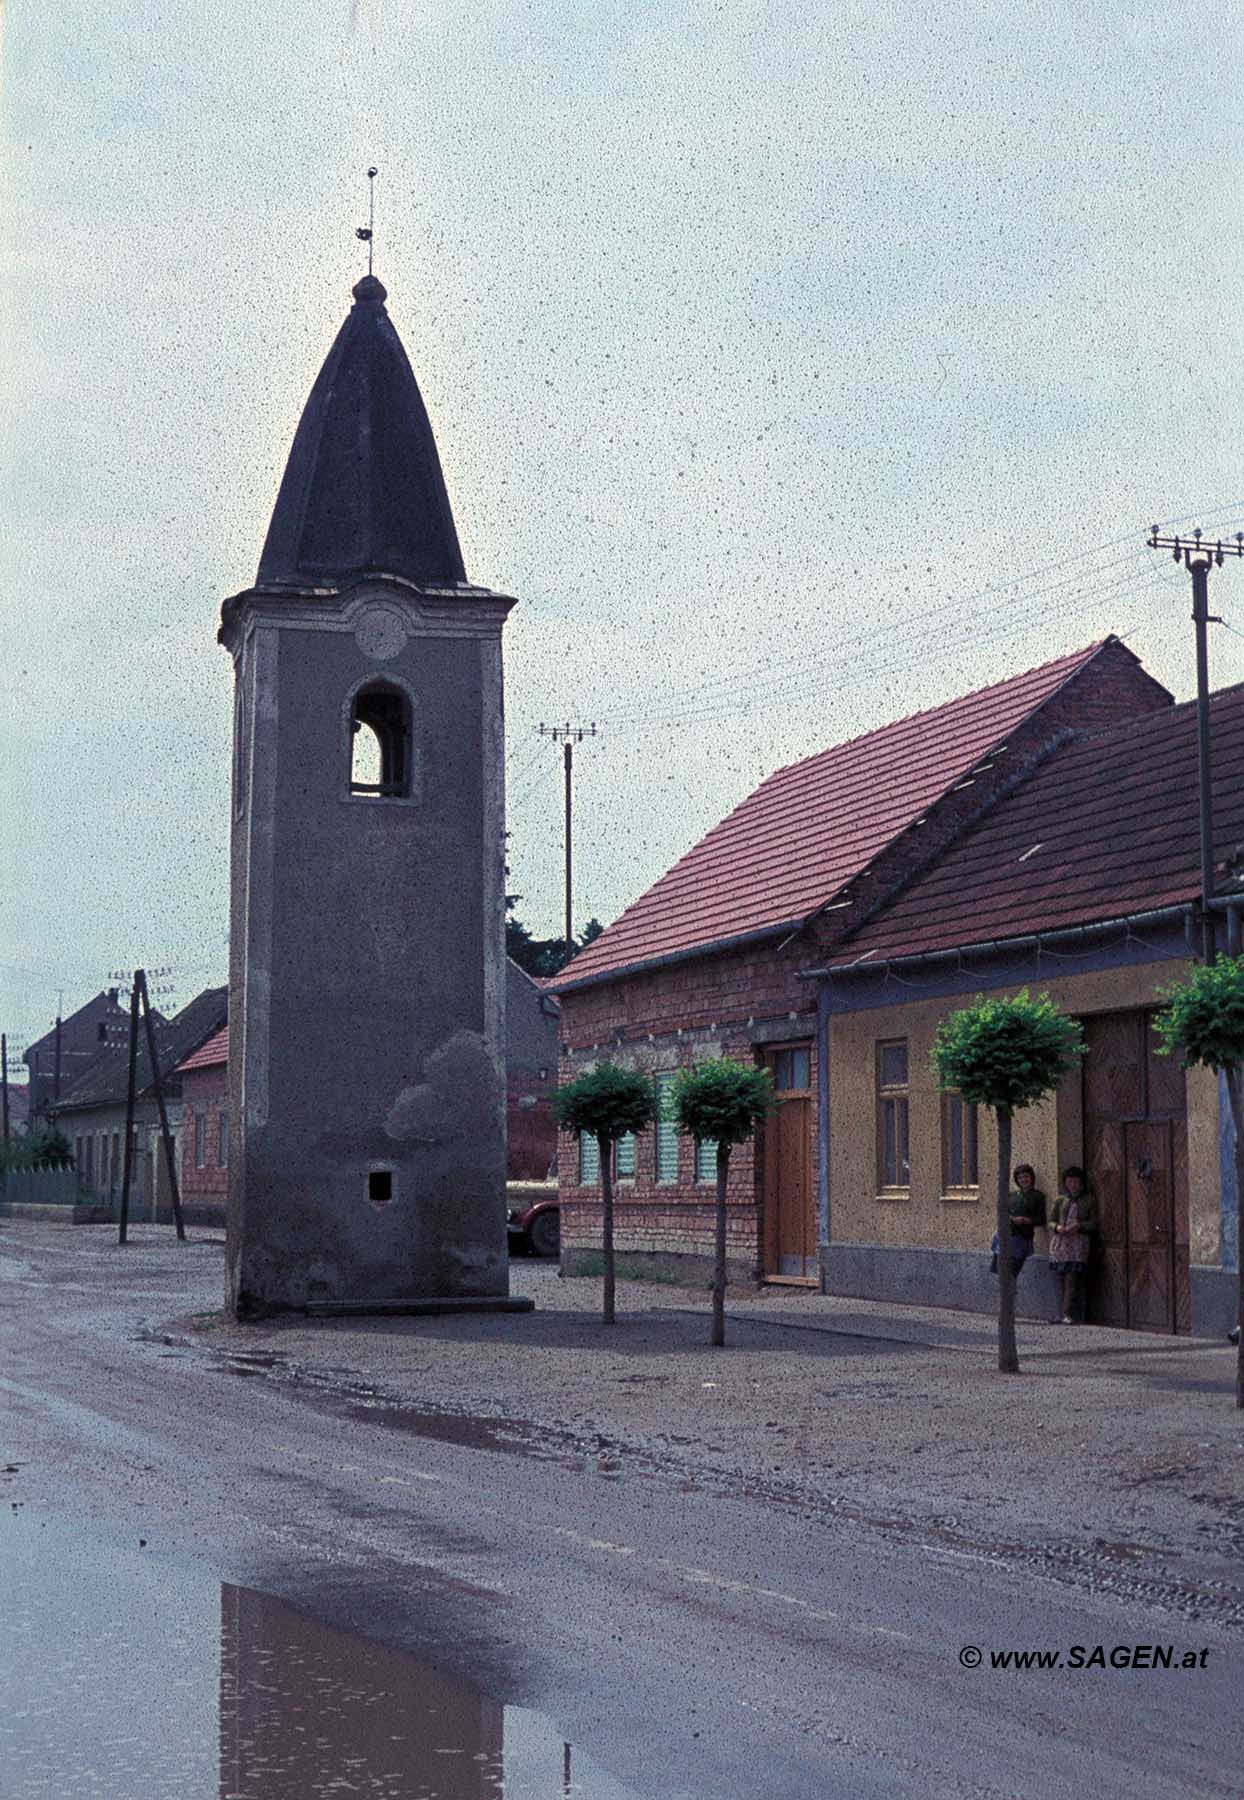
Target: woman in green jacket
1073	1226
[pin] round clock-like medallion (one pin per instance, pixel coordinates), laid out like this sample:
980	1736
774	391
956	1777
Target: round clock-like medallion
380	633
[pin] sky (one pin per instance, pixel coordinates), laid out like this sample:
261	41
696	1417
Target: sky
797	368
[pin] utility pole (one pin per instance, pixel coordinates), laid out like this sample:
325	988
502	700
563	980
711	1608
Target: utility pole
568	736
131	1083
1197	556
4	1079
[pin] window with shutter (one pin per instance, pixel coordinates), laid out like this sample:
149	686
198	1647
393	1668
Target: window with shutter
706	1159
666	1131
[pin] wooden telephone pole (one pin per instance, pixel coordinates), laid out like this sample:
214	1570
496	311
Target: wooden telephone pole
139	996
568	736
1198	555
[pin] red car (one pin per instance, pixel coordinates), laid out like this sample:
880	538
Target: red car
534	1218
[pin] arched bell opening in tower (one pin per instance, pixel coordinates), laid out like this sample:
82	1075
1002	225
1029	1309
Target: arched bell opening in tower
380	741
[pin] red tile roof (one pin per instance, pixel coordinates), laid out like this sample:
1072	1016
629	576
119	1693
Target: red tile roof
809	828
1108	827
210	1055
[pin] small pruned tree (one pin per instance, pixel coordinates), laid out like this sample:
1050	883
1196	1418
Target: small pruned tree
1006	1055
1203	1023
721	1102
606	1104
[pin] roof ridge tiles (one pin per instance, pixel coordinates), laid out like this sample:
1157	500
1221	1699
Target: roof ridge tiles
1015	683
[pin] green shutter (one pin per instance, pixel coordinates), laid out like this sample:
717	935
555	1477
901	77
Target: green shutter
706	1159
589	1161
666	1132
624	1157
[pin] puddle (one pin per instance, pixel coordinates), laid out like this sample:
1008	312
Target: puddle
124	1676
510	1436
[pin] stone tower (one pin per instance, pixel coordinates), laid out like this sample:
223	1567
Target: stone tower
367	972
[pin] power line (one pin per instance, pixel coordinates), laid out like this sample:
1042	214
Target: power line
954	604
1009	623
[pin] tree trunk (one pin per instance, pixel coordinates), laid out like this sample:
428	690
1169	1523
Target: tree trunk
1008	1354
719	1249
1235	1097
606	1195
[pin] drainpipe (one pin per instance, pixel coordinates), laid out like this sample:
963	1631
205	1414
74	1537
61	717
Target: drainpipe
823	996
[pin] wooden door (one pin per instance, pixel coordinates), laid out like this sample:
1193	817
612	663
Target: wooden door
1136	1157
1150	1198
789	1221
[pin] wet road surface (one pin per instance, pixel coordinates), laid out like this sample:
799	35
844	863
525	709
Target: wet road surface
224	1576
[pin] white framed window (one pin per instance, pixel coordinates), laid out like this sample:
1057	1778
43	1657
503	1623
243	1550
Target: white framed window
893	1147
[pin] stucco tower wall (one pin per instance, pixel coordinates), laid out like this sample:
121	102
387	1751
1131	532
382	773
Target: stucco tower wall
367	996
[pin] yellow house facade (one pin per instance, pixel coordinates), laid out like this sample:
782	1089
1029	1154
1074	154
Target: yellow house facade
917	1225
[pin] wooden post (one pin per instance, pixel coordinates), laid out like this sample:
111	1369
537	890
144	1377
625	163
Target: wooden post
166	1135
129	1108
4	1078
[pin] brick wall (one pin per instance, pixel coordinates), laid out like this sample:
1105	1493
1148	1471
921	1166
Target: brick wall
731	1004
204	1092
530	1128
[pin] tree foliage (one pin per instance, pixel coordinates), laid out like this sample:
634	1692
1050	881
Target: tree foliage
1006	1053
543	957
1203	1023
40	1149
605	1103
1203	1019
722	1101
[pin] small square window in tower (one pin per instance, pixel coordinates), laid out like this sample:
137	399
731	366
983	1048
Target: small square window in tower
380	741
380	1186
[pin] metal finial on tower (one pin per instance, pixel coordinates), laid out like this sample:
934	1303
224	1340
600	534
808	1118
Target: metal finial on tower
366	232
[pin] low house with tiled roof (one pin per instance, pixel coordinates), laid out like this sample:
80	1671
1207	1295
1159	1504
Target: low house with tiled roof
92	1112
65	1053
713	958
1084	882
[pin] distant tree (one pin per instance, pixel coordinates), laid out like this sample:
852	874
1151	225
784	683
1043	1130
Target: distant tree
543	957
41	1148
518	943
605	1104
1203	1023
721	1102
1006	1054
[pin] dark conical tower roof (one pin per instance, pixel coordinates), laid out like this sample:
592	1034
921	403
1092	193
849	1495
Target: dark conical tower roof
363	489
